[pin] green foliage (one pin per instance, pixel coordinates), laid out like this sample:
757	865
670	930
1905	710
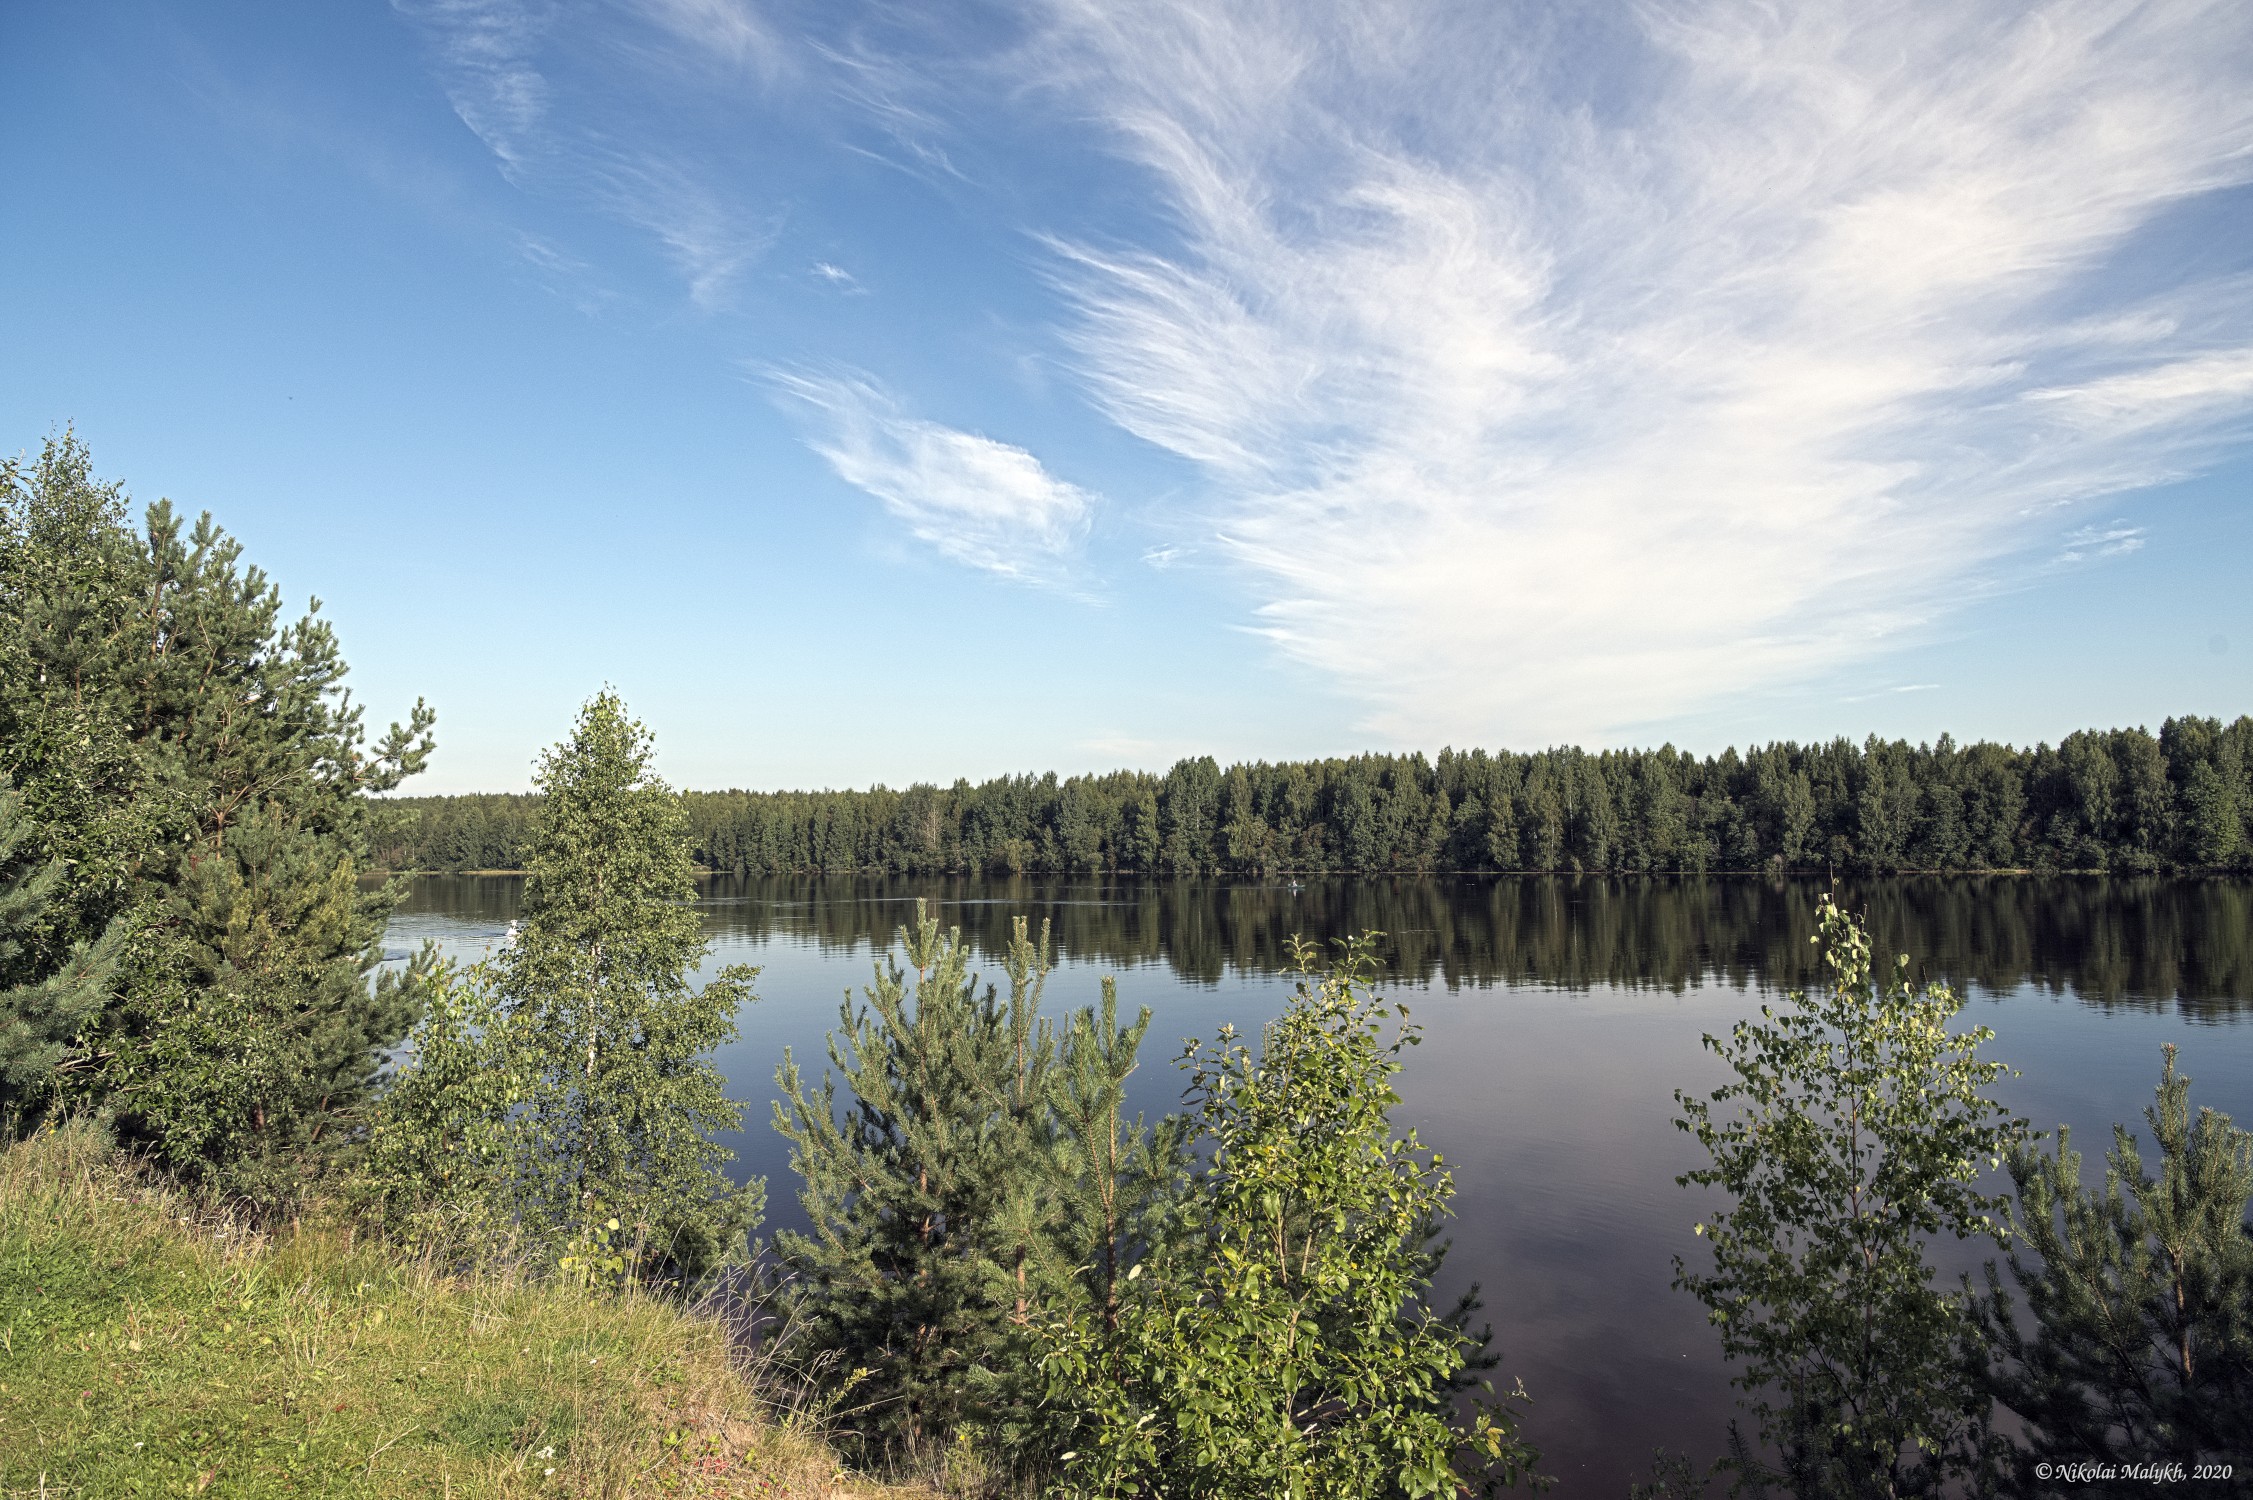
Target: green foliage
930	1193
2141	1296
438	1146
2118	800
606	1042
1855	1127
1278	1342
196	771
253	1037
45	1006
1115	1179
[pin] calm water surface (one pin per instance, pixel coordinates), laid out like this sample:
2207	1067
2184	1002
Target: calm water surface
1559	1016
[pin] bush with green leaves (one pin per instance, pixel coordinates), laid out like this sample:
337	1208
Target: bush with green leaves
437	1170
1278	1340
1855	1127
2141	1298
194	777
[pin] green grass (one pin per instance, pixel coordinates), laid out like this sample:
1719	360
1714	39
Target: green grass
149	1347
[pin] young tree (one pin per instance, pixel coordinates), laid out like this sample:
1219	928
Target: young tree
930	1193
1116	1178
2141	1296
1279	1343
197	771
1855	1127
607	1039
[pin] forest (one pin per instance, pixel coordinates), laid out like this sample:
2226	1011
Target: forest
2120	801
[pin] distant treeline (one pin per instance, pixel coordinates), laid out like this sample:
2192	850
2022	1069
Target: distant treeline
2118	800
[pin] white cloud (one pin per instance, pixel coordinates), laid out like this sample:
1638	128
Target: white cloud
588	137
1121	748
1907	687
706	236
977	501
2161	396
2116	540
485	50
1544	392
727	30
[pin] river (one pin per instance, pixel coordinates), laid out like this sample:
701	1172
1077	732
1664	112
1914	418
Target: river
1558	1015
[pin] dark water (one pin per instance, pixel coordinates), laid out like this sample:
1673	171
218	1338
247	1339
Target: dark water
1559	1016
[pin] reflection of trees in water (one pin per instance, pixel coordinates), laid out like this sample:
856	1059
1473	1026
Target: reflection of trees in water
2111	941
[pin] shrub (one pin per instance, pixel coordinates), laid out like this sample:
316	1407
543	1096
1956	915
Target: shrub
1856	1126
1278	1341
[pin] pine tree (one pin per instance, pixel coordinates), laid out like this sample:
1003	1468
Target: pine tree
608	1041
197	770
2141	1296
1116	1179
251	1045
930	1192
45	1007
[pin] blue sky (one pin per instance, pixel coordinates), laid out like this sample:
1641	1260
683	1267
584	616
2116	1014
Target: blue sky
883	393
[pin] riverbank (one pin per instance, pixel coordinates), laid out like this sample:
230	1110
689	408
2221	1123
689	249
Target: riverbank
151	1345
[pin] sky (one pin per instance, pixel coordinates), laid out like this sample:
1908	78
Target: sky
884	393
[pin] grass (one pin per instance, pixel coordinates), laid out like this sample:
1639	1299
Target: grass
152	1346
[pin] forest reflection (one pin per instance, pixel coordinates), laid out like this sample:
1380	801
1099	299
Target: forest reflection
2113	942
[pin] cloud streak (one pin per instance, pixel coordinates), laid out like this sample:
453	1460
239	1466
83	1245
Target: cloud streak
541	87
1547	387
2116	540
976	501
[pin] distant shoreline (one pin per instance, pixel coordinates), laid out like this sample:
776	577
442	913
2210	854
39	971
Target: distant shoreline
1245	876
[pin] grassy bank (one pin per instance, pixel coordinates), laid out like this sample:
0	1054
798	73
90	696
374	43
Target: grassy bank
150	1346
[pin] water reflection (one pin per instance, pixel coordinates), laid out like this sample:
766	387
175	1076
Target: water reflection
2146	942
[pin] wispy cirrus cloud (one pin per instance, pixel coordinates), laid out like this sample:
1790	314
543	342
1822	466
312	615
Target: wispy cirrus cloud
1545	385
726	31
974	500
486	52
2116	540
565	98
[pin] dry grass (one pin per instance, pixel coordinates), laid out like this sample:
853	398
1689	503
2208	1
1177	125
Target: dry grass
150	1345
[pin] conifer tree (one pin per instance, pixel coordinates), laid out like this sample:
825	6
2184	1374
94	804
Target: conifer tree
46	1007
2141	1296
1116	1179
931	1192
197	770
607	1039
